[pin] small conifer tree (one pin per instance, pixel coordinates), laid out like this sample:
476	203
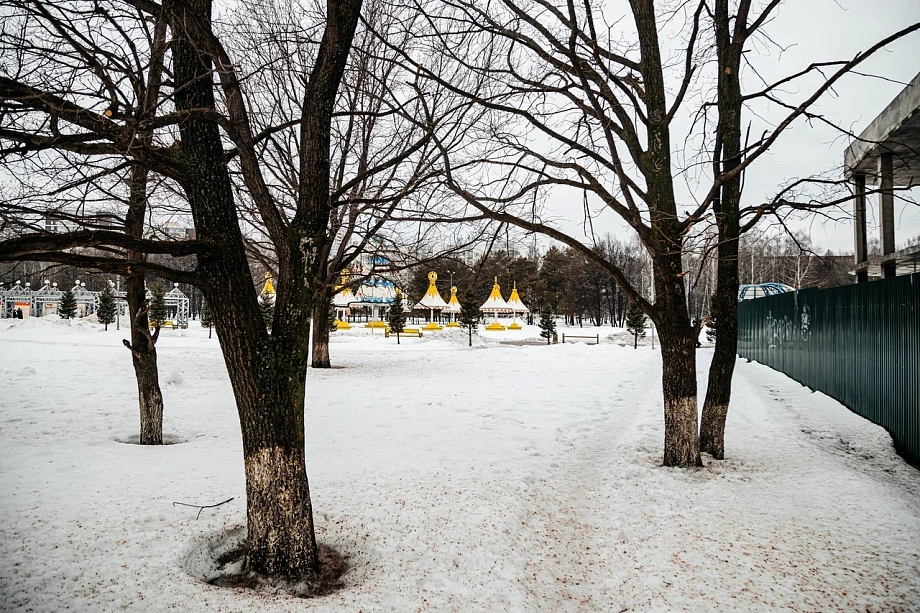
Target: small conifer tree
469	315
68	306
710	330
397	315
635	322
547	323
207	319
106	311
158	312
267	306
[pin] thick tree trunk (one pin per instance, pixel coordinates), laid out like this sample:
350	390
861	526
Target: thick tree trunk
321	325
678	365
678	378
665	241
281	540
726	208
267	372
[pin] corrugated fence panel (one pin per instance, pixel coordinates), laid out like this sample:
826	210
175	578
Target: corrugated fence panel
859	344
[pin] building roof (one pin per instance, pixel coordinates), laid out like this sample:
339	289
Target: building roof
453	305
749	292
515	303
496	303
268	289
896	129
375	291
432	298
344	297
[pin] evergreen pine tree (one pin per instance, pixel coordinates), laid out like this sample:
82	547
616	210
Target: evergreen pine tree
106	311
469	315
68	306
397	315
547	323
635	322
207	319
267	306
158	312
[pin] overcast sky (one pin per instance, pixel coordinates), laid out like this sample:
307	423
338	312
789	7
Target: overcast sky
812	31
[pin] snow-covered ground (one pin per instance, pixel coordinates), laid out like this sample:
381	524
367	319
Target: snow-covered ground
497	478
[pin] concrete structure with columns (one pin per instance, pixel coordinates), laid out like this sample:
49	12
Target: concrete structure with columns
886	156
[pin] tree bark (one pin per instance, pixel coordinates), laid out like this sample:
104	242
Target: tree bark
669	313
726	208
143	344
321	325
678	378
267	372
144	359
281	540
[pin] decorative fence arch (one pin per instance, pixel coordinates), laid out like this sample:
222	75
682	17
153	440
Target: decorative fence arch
47	300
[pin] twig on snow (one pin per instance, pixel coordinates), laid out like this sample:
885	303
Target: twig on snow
202	507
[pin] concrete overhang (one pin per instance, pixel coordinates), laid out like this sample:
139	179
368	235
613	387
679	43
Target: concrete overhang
896	129
906	262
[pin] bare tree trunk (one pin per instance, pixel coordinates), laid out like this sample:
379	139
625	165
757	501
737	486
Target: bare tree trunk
143	344
281	540
678	363
321	325
144	358
726	208
678	378
267	372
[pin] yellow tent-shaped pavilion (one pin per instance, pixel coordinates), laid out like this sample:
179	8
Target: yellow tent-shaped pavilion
268	289
517	307
495	305
453	307
432	300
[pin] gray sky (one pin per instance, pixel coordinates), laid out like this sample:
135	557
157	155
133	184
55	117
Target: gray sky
813	31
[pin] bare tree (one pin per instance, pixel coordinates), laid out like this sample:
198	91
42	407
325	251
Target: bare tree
383	158
43	112
133	81
580	101
570	105
735	28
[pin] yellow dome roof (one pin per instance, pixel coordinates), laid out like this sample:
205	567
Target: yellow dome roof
515	303
268	288
495	301
432	298
453	305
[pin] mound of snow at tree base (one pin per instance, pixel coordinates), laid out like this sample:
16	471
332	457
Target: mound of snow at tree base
502	479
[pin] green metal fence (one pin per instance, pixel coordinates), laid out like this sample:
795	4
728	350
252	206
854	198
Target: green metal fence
859	344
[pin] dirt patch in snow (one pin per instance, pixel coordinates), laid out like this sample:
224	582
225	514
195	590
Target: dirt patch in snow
219	561
135	439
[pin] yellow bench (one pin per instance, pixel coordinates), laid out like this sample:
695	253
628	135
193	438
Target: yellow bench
407	332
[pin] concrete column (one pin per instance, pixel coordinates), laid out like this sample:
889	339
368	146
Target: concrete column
859	225
886	209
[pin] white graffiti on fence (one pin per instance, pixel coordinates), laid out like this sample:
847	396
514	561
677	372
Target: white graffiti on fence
783	331
806	323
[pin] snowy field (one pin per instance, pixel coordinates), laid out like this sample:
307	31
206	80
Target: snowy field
497	478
